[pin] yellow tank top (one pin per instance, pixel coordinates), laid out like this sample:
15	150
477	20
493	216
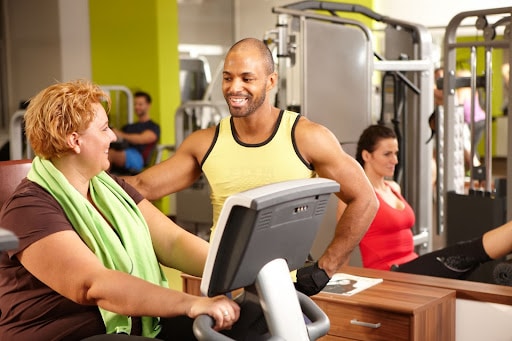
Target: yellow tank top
232	166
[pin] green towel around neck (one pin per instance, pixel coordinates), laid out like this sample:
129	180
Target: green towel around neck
123	245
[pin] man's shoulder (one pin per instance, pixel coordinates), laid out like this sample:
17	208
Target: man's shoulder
310	136
198	142
153	125
201	137
304	123
150	123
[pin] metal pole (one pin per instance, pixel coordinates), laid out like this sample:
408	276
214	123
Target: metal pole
472	118
282	57
488	120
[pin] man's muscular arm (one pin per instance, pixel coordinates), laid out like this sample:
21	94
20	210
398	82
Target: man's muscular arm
320	147
178	172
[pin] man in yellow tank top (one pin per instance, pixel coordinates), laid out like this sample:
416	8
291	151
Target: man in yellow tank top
260	144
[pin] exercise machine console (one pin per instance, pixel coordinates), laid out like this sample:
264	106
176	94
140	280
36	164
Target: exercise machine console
262	234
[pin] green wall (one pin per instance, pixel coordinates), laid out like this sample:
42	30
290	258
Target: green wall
135	43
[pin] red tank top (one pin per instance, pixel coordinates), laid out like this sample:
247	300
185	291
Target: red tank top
389	240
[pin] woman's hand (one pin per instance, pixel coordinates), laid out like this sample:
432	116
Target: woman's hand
223	310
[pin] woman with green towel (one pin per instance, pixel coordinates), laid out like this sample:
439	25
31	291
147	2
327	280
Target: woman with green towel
89	244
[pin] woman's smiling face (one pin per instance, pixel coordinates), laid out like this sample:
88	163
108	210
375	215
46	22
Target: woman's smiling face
384	158
96	139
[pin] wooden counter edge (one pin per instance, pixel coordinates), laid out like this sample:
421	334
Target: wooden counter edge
469	290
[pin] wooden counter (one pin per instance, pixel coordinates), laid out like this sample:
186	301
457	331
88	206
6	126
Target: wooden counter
475	291
390	311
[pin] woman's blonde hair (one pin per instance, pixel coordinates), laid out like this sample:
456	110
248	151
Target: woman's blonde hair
58	111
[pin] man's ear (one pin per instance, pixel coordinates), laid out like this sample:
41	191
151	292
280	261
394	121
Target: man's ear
272	81
74	142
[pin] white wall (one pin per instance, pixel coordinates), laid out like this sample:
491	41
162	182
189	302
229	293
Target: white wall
206	22
46	41
254	18
33	48
75	40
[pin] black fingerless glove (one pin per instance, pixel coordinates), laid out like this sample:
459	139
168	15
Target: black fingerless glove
311	279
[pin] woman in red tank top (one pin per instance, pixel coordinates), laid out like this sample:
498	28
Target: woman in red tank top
388	243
